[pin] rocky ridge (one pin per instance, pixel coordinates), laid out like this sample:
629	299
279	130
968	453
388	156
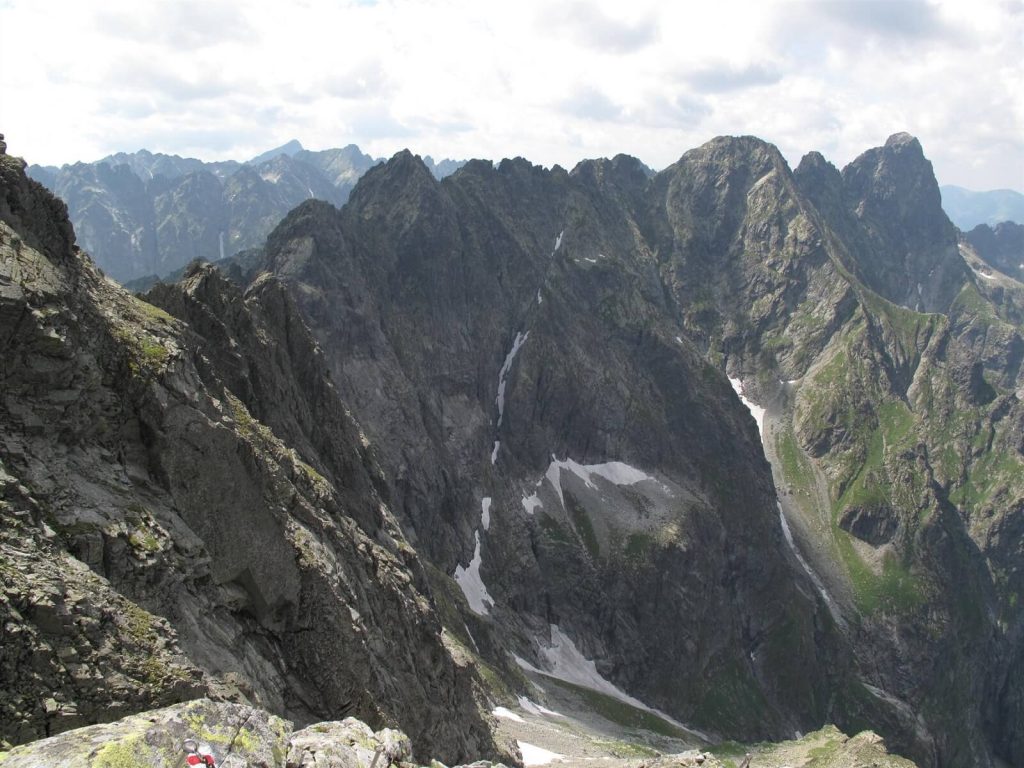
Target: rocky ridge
142	215
160	538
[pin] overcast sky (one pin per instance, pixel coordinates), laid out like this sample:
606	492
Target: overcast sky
554	82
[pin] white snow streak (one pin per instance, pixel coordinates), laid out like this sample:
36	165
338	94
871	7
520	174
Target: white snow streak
530	503
503	373
819	585
615	472
540	299
558	240
755	410
536	709
485	515
472	585
508	714
567	663
494	453
524	664
536	755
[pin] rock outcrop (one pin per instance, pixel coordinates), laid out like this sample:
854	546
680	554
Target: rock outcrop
238	736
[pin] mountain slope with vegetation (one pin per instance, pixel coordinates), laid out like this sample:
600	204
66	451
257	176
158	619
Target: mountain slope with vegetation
553	346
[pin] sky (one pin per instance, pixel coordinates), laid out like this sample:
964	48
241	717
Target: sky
554	82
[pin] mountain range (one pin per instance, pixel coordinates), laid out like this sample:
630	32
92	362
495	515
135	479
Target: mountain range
738	443
145	215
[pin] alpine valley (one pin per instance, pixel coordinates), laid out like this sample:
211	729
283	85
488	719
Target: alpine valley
726	458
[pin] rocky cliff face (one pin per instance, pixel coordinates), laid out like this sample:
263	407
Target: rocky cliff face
161	537
551	438
540	358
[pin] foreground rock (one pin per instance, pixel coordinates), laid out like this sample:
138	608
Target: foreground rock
238	736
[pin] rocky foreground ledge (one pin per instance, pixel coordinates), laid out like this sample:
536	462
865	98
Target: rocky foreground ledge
241	736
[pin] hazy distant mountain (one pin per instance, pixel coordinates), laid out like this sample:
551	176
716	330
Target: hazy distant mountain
145	214
290	148
967	208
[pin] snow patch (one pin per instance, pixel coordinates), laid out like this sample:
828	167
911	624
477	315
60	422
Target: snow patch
271	176
503	373
494	453
592	261
530	503
485	515
472	585
540	299
755	410
679	340
536	709
524	664
558	240
615	472
537	755
508	714
568	664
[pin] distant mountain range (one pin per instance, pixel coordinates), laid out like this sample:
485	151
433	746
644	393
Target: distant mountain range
143	215
967	208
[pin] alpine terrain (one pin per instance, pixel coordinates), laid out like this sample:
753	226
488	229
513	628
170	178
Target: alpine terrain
142	215
727	453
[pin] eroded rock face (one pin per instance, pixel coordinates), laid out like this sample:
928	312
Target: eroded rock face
133	456
510	334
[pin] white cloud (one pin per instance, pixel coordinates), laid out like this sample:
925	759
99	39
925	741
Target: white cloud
464	78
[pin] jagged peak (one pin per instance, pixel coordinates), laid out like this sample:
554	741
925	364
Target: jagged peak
403	169
817	170
903	139
734	151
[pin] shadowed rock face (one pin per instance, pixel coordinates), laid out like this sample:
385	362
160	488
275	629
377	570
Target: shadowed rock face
509	334
211	551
